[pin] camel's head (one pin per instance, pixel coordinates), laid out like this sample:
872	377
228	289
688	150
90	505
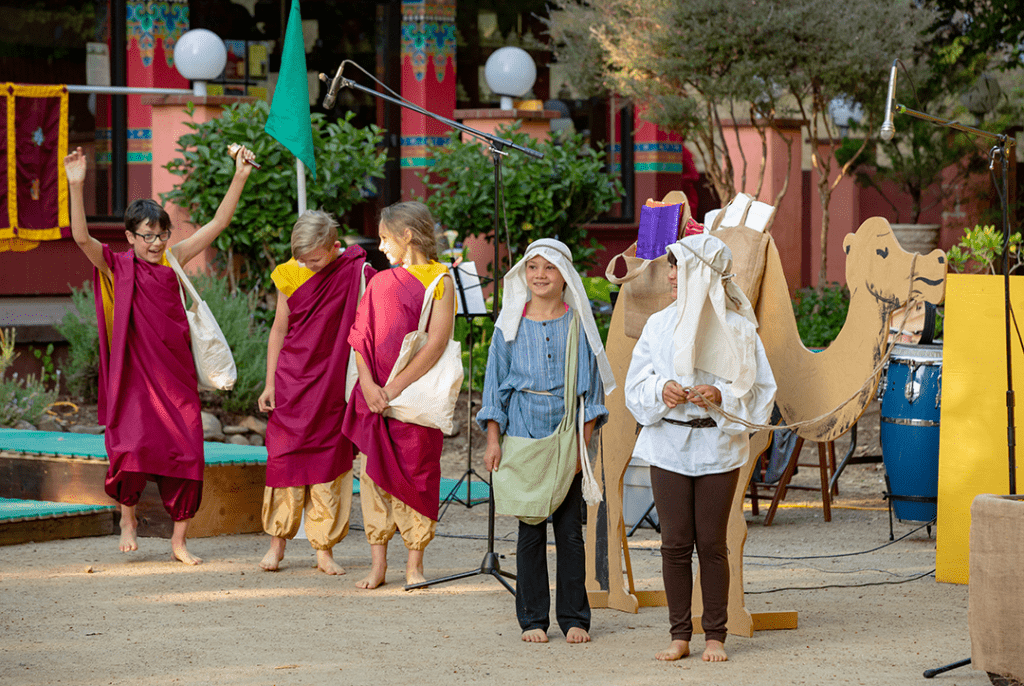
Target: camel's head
876	262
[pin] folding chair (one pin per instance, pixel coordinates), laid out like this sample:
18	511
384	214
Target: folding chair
826	464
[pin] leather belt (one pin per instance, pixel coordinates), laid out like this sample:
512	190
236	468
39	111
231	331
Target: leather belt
701	423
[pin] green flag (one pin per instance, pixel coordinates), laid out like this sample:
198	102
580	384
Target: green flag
289	120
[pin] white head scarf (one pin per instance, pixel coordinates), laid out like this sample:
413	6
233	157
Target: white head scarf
703	337
517	294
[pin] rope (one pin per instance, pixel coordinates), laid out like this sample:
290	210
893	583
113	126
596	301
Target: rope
910	303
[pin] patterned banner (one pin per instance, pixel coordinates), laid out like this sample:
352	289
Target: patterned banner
33	187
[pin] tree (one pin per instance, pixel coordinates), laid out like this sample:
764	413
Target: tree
990	28
691	63
687	66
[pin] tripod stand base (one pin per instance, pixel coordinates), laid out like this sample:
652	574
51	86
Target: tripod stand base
490	565
929	673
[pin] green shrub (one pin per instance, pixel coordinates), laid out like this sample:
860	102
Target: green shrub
82	368
235	312
599	291
483	331
820	313
555	197
347	160
20	399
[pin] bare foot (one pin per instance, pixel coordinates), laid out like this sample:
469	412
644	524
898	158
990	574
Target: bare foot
271	562
379	560
714	651
535	636
577	635
414	568
129	542
374	579
414	576
676	650
178	548
181	553
129	530
326	564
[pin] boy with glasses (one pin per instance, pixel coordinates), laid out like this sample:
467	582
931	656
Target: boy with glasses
148	391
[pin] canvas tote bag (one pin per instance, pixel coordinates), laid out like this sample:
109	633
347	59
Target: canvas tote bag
429	400
535	473
215	366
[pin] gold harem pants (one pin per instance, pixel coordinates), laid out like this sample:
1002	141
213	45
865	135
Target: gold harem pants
383	513
327	508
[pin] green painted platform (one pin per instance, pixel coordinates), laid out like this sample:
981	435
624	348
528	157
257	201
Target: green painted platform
90	447
87	446
13	510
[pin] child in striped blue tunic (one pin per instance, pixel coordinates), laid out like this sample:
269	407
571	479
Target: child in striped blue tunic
525	401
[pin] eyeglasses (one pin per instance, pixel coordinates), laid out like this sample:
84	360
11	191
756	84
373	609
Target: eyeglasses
164	236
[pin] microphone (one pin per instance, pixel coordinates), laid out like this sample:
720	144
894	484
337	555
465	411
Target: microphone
888	130
332	89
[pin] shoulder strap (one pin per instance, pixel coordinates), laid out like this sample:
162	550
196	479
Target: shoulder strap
428	299
183	280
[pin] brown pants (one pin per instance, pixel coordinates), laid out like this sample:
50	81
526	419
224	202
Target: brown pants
695	510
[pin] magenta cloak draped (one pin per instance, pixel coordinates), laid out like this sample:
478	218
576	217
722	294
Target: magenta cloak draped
305	445
148	397
403	459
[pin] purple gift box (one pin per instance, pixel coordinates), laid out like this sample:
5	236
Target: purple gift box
659	226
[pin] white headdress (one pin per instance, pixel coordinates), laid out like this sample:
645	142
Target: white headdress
517	294
703	337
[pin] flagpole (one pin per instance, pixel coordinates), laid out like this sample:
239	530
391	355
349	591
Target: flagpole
300	175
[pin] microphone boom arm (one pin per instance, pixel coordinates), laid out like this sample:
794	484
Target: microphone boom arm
495	141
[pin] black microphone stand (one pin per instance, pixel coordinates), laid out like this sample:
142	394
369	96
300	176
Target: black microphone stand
497	146
1000	151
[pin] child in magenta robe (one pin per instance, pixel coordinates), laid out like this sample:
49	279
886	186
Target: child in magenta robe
309	461
148	392
400	485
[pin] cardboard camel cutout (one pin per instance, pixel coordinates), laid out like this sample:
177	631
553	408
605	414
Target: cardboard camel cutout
881	276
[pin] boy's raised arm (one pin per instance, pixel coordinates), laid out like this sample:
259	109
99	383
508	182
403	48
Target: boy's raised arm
207	234
75	168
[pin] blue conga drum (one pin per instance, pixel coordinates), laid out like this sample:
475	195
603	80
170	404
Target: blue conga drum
910	430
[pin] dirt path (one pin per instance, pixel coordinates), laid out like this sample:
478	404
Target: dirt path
78	612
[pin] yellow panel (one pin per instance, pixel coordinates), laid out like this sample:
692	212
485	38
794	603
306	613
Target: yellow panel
972	432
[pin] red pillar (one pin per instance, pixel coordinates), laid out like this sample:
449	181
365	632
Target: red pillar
428	80
657	161
153	29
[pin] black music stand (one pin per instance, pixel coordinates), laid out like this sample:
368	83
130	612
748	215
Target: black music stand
470	308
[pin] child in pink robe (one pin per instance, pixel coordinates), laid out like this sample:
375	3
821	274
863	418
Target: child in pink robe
400	485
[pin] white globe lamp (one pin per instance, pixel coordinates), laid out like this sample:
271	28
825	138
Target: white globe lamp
510	73
199	56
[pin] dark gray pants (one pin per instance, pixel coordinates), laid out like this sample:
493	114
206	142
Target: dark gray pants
533	597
